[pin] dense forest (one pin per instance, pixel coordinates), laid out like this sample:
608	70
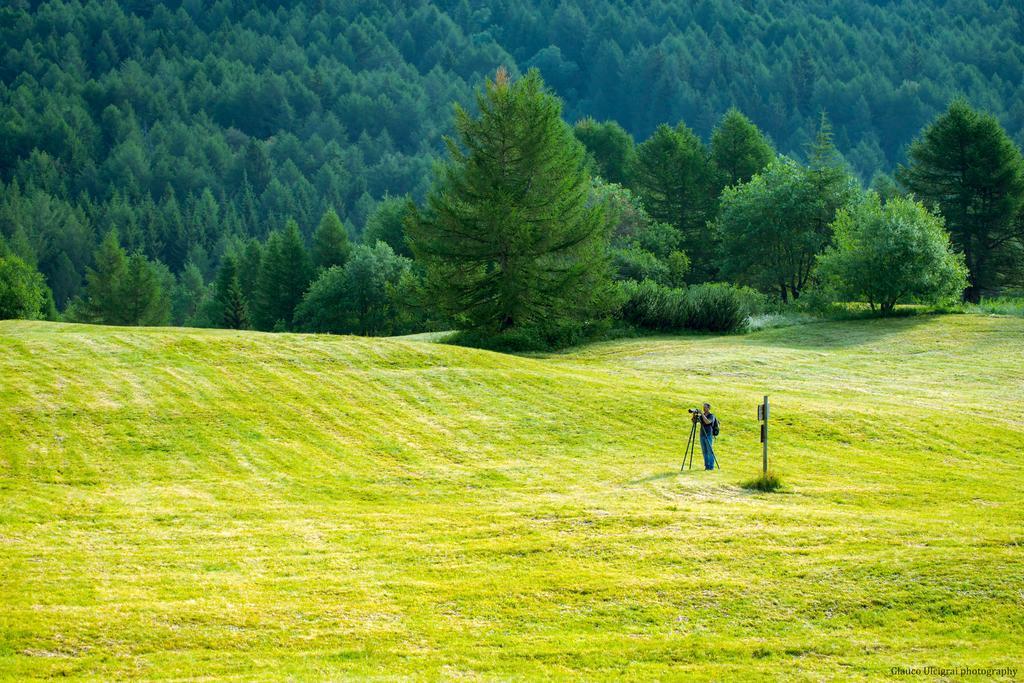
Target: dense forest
192	129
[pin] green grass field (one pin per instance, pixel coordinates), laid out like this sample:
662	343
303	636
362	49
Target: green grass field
183	503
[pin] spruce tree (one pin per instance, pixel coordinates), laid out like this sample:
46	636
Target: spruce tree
387	224
611	147
966	166
828	181
330	242
188	295
739	149
508	238
248	263
143	297
102	302
228	294
285	273
674	177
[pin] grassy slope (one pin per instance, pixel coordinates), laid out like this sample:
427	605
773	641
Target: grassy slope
209	503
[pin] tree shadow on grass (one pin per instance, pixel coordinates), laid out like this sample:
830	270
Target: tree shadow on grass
659	476
836	334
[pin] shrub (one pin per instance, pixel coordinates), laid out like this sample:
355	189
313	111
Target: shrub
653	306
715	307
765	482
720	307
639	264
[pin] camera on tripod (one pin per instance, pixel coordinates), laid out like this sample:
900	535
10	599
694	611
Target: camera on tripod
694	411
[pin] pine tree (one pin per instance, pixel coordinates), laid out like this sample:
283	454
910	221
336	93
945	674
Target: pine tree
256	166
330	242
610	145
966	166
143	298
739	149
228	294
285	273
507	238
829	181
188	296
675	179
248	264
102	301
387	224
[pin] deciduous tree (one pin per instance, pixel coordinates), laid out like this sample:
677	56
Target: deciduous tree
890	253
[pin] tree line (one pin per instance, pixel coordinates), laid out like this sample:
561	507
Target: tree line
187	126
523	239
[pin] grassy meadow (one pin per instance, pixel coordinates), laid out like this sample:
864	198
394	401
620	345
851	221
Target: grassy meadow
179	503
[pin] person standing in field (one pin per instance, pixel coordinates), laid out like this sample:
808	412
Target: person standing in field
707	435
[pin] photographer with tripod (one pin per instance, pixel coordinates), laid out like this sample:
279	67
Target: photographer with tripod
708	429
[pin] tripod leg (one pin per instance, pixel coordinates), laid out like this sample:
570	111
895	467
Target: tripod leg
693	442
688	452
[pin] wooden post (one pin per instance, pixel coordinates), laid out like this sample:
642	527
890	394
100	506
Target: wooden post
762	415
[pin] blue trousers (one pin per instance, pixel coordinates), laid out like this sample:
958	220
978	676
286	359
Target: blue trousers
707	448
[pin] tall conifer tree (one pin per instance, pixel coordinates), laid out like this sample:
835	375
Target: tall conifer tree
508	237
228	293
285	273
330	242
739	149
674	177
966	166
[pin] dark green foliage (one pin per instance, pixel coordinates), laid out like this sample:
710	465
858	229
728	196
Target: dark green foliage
231	303
642	248
966	166
330	242
102	302
828	182
193	129
387	224
661	239
711	307
739	149
891	253
358	298
676	180
144	293
719	307
559	335
508	237
653	306
124	290
610	146
285	273
249	261
639	264
23	292
188	297
772	228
